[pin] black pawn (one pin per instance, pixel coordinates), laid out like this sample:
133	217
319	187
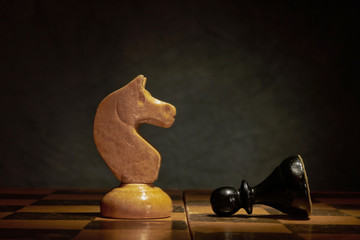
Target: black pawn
286	189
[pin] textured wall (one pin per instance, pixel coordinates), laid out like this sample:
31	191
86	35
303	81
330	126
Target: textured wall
252	83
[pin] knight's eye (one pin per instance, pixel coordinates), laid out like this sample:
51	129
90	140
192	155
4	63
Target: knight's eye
141	99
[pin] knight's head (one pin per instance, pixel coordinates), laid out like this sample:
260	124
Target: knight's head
135	105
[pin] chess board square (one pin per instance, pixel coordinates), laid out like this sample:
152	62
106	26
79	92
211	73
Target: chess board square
82	191
96	234
233	219
330	236
199	203
214	227
352	212
273	211
175	195
197	194
43	224
323	228
321	205
26	191
17	202
177	203
178	209
246	236
199	209
10	208
74	197
347	206
38	233
328	212
51	216
325	220
21	196
75	209
67	202
257	210
4	214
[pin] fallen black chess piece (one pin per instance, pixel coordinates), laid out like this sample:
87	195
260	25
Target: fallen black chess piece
286	189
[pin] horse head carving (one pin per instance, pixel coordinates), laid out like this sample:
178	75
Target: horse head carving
130	157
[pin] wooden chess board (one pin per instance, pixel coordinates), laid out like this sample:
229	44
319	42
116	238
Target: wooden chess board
74	214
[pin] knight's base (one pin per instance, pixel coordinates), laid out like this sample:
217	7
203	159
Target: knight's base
136	201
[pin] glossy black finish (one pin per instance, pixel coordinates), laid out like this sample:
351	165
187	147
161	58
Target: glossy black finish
226	201
286	189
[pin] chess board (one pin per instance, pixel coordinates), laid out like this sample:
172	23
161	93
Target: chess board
74	214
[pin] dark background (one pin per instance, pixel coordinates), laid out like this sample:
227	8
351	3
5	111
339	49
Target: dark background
253	83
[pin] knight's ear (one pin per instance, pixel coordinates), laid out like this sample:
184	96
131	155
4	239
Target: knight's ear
139	82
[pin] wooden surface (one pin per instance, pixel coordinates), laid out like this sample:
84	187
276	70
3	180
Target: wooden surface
74	214
129	156
136	201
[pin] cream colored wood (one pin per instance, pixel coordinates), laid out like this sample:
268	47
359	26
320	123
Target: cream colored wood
129	156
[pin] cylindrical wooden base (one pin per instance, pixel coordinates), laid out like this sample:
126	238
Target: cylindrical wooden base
136	201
